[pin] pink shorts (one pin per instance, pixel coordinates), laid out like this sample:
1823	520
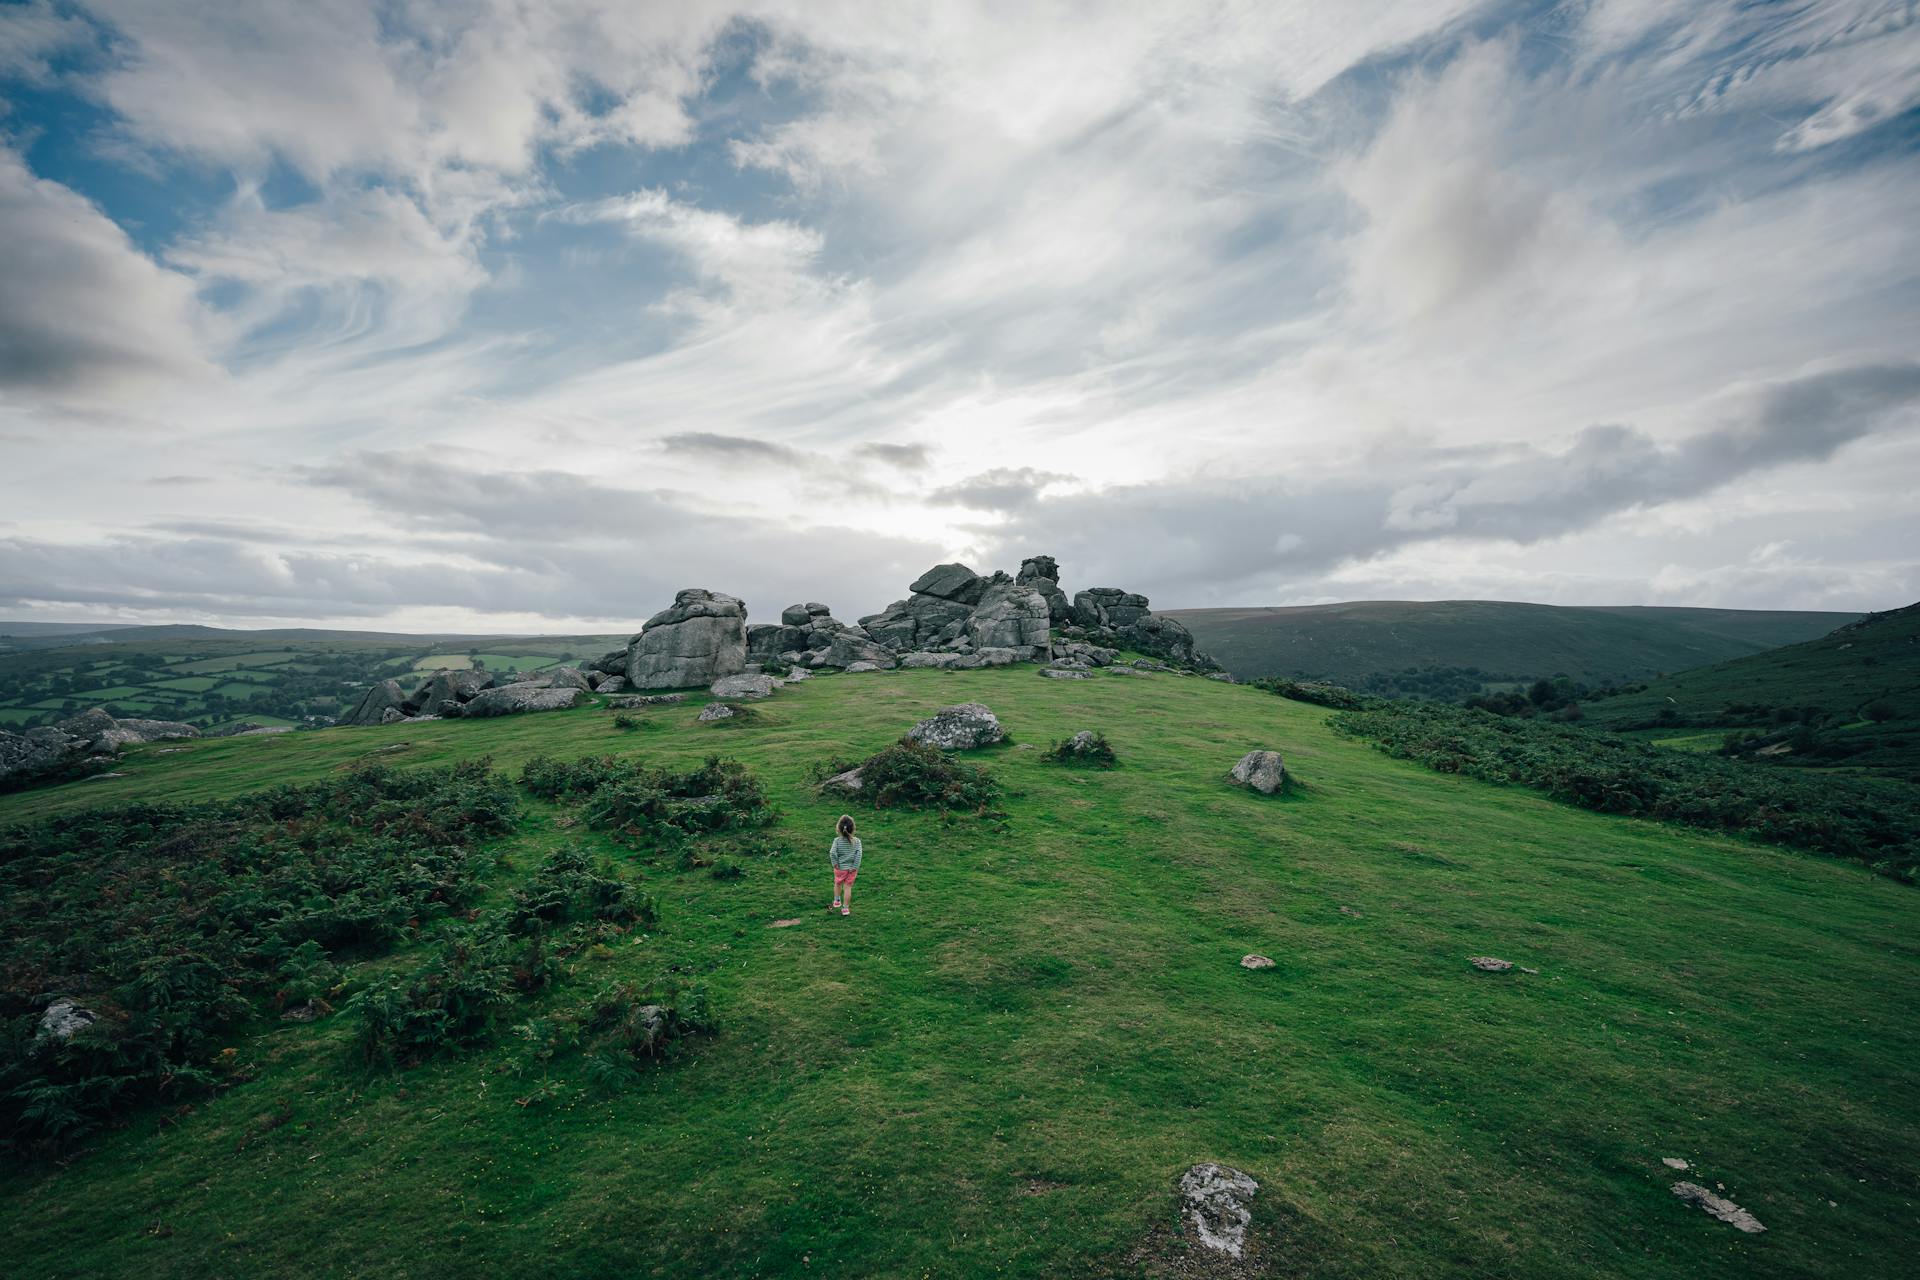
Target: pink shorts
841	877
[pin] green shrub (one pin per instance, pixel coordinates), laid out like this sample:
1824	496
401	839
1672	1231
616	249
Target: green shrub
1093	750
570	887
175	923
1321	695
912	775
1853	818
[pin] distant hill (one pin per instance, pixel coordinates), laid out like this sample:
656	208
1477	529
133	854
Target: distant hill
1850	697
1503	640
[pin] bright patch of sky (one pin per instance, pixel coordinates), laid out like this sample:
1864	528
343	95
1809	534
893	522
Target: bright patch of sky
521	316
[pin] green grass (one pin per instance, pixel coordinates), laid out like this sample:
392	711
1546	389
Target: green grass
492	661
1838	677
998	1065
221	665
1347	643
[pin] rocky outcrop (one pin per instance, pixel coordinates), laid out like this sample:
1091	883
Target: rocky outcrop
1010	615
567	678
953	582
512	699
960	727
700	638
1042	574
851	646
443	692
63	1020
1263	771
1719	1206
376	702
1163	637
1109	608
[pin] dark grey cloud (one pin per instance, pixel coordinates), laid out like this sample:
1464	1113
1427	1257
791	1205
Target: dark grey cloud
1001	489
708	444
906	457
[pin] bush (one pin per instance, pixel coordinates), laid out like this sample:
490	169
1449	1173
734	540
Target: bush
912	775
653	806
1084	748
1321	695
569	887
1851	818
175	923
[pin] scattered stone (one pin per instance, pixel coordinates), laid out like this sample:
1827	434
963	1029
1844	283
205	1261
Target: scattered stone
566	678
1129	671
699	638
1524	969
849	782
1263	771
744	685
1490	964
1674	1162
715	711
171	751
960	727
102	777
784	924
796	675
1060	673
857	668
610	684
63	1020
627	702
1255	961
1718	1206
512	699
307	1012
922	659
1221	676
1214	1199
1349	911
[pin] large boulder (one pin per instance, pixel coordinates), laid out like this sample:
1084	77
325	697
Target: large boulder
854	645
1010	615
1042	574
766	641
131	731
953	582
512	699
805	615
442	693
91	727
921	621
1263	771
1163	637
63	1020
744	685
37	751
702	637
376	702
567	678
960	727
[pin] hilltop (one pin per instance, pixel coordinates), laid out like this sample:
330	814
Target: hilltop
1850	698
1466	646
1034	1021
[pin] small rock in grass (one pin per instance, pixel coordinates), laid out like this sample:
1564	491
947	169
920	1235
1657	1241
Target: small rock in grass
784	924
1061	673
961	727
1673	1162
102	777
63	1020
1255	961
1263	771
848	781
1489	964
858	668
1349	911
715	711
744	685
1718	1206
307	1012
1214	1199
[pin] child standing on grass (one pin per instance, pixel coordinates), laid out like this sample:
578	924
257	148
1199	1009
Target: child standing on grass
845	857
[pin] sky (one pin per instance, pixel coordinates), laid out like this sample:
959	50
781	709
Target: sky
520	315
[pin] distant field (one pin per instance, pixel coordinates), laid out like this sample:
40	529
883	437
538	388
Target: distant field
208	677
1349	643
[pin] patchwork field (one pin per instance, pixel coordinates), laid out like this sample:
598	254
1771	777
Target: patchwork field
1000	1063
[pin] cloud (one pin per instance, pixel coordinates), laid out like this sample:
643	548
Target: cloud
905	457
83	313
707	444
1003	489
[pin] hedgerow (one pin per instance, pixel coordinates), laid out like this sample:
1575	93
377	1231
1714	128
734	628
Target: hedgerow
1866	820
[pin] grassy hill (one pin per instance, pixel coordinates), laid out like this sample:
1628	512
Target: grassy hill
1000	1063
1363	644
1849	698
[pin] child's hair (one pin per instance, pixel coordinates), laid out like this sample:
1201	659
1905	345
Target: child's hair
845	826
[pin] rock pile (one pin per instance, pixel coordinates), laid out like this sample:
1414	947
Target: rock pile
91	735
446	694
960	727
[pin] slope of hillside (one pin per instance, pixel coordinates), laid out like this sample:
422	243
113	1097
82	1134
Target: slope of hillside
1348	643
1851	697
1001	1062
